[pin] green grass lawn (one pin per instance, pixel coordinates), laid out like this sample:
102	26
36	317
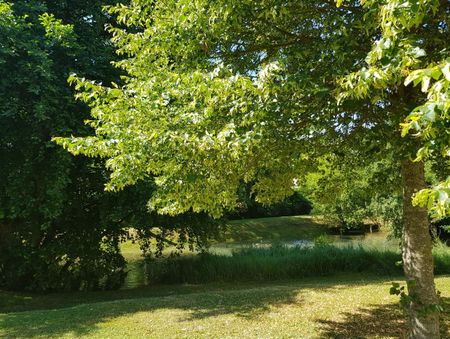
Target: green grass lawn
351	306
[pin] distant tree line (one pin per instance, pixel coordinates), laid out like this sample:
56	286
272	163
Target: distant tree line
248	207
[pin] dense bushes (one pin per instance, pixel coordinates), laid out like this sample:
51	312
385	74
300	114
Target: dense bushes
76	249
281	262
80	249
85	263
54	230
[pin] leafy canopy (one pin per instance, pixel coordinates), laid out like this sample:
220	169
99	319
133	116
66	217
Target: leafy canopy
412	50
216	93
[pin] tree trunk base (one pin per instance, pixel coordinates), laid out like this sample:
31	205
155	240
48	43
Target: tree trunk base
417	258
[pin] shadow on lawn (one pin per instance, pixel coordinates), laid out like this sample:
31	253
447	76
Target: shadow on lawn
384	321
377	321
83	315
85	318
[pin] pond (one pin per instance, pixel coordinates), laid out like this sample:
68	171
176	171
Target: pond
380	240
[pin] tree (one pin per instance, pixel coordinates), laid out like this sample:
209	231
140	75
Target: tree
412	47
221	102
58	228
220	92
48	199
349	190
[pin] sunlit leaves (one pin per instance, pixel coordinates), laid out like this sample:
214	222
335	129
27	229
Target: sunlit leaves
436	198
56	31
429	121
215	93
398	59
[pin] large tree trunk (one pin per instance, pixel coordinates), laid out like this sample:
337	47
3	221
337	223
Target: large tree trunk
417	257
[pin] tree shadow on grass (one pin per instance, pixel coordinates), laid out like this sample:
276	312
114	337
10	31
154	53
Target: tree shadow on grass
383	321
250	304
22	301
82	316
83	319
386	321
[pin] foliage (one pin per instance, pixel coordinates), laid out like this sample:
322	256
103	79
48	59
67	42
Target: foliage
208	102
349	191
323	240
411	50
53	233
58	228
296	204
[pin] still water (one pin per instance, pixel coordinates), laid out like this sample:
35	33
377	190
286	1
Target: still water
378	240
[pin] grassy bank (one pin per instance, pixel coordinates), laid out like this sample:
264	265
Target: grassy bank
274	229
282	262
351	306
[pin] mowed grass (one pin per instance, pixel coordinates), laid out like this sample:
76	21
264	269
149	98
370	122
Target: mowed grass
353	306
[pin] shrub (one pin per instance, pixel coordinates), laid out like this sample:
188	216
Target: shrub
82	263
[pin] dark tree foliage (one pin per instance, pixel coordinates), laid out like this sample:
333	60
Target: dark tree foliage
248	207
54	234
59	229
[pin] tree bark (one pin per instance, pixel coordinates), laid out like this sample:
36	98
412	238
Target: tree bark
417	258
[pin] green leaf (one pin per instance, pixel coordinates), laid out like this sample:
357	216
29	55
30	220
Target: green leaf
436	73
446	71
425	83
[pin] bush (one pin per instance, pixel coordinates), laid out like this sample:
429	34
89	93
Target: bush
83	263
323	240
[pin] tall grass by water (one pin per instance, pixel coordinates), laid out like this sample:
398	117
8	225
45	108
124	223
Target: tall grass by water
280	262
